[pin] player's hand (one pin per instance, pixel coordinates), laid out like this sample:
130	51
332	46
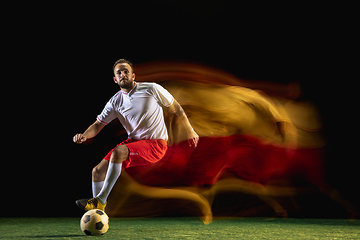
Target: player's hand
193	138
79	138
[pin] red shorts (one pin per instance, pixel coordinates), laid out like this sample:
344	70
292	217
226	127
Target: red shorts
142	152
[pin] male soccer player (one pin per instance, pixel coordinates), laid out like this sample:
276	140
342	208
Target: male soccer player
138	106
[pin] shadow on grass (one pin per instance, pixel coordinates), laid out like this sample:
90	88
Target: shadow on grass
55	236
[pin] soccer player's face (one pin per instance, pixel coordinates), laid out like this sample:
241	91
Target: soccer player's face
124	76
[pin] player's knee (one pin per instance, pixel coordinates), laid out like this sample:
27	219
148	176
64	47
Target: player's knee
95	171
119	154
98	173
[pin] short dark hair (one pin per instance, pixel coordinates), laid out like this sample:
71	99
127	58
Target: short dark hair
123	60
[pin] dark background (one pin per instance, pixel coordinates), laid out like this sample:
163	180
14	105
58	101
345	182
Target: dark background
60	69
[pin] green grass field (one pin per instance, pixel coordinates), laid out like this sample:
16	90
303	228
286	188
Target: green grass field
184	228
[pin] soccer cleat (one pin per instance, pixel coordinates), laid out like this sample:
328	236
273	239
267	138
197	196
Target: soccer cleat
92	203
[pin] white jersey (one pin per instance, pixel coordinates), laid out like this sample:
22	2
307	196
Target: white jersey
139	111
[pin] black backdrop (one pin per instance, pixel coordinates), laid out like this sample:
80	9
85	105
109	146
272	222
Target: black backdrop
60	63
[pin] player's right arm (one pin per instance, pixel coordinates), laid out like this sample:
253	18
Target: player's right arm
91	132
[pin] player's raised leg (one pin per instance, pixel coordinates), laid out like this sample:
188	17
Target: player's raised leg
98	176
118	155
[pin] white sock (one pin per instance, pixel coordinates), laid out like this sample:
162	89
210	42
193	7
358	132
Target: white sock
96	187
112	174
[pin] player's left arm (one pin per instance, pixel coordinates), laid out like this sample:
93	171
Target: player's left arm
193	137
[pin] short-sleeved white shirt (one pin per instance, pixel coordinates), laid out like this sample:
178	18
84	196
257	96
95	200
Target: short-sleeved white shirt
139	111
